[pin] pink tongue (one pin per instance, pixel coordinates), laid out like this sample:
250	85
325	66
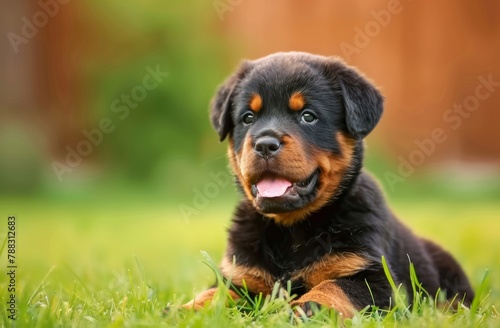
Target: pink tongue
272	187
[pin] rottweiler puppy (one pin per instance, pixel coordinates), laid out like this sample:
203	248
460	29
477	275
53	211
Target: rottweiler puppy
295	124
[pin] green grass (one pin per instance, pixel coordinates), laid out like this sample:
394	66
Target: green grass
119	264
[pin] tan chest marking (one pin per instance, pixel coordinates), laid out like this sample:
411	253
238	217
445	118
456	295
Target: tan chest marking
330	267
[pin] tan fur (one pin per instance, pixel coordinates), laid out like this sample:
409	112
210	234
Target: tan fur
235	162
297	163
290	161
255	102
205	297
296	101
332	168
257	281
331	266
319	277
328	294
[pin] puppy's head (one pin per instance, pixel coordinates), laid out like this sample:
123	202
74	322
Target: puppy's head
295	122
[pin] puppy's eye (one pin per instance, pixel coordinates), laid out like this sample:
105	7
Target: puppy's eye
308	117
248	118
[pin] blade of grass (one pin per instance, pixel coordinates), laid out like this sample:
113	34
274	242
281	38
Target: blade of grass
40	286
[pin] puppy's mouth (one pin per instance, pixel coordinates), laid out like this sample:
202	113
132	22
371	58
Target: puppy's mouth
282	189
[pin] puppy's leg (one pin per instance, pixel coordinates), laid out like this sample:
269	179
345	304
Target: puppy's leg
256	280
345	296
205	297
328	294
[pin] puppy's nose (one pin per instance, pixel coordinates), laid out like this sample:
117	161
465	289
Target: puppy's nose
267	146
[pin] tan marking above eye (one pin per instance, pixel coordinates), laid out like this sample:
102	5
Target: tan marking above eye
296	101
255	102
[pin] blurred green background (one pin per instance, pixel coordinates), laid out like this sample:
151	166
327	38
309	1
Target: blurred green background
156	186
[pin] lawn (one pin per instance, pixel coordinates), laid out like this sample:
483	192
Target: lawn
119	263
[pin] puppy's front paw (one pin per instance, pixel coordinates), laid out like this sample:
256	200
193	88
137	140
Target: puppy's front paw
307	308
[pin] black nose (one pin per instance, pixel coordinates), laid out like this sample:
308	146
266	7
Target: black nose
267	146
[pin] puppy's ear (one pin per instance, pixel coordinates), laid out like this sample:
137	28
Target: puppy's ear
222	103
362	101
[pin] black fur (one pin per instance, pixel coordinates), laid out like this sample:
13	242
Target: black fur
357	219
362	102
